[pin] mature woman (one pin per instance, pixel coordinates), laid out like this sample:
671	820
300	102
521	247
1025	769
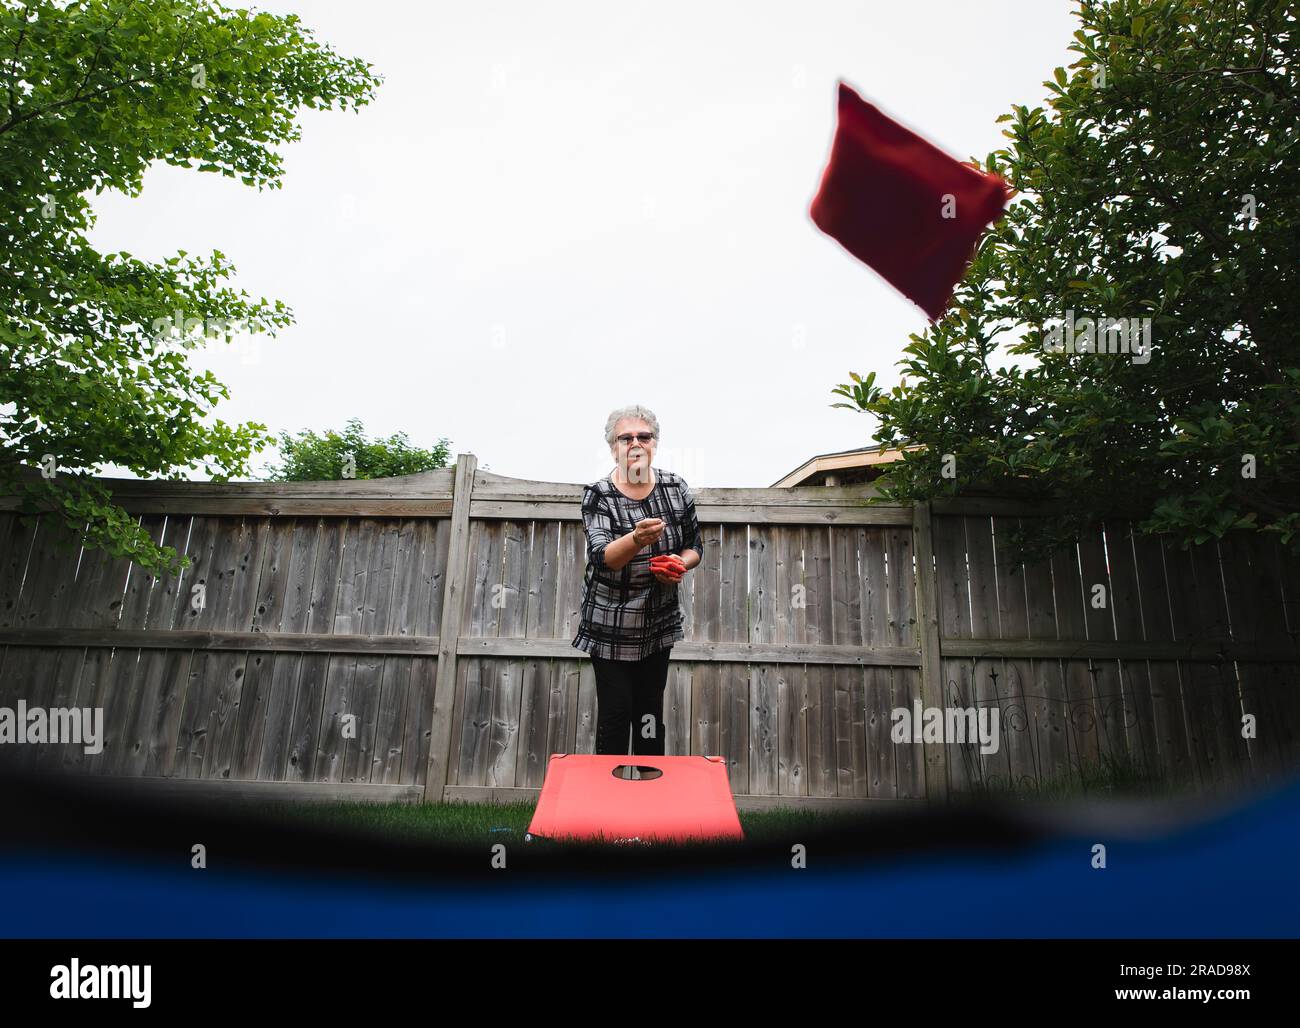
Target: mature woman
634	517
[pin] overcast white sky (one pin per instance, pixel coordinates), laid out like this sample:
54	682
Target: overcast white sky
555	209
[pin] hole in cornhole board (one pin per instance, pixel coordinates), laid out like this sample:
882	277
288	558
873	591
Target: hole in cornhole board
636	772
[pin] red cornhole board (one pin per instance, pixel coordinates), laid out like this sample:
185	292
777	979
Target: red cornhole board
582	800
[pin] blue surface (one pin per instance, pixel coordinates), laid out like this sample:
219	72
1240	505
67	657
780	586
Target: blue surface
1233	877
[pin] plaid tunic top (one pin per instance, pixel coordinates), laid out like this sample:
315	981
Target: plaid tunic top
629	614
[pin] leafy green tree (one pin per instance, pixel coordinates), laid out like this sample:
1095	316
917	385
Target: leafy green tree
348	454
1161	182
92	369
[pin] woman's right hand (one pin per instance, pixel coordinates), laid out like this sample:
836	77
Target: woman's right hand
647	531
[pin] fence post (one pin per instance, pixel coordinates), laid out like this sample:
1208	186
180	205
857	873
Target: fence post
453	604
927	606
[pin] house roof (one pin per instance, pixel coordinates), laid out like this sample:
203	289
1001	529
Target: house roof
861	463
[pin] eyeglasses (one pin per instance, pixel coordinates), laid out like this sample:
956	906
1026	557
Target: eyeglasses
640	437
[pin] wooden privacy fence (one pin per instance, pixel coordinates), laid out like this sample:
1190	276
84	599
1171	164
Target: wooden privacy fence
1125	649
409	638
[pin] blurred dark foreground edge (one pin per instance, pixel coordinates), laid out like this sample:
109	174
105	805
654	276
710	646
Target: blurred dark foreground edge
68	813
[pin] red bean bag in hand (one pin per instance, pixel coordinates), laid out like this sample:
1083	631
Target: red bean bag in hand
668	562
903	206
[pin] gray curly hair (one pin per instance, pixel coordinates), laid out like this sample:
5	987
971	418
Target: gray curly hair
635	411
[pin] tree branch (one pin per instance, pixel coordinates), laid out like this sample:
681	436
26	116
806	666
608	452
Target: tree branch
98	50
184	68
13	62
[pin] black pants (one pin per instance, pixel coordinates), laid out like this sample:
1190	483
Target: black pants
631	693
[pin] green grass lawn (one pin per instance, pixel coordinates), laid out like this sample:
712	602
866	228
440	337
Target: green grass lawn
472	824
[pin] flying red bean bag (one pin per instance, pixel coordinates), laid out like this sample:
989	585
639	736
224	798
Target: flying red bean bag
901	205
